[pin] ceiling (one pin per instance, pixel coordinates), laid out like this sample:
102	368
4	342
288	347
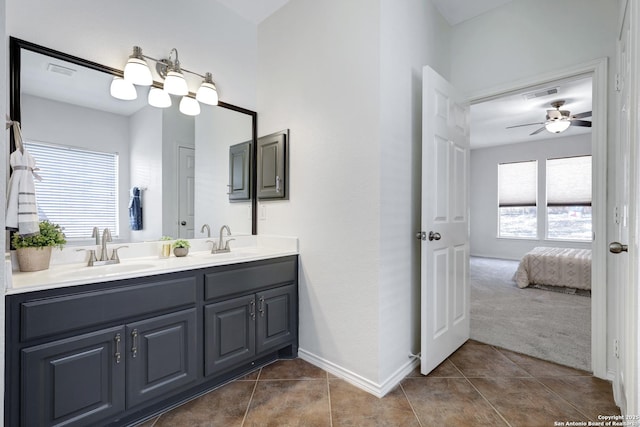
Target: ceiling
490	119
454	11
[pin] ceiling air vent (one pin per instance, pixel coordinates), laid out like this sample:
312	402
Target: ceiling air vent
540	93
54	68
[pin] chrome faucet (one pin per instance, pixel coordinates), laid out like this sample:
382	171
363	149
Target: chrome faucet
106	237
222	246
96	234
208	229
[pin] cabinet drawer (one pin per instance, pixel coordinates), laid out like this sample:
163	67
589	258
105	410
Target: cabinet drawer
70	312
245	279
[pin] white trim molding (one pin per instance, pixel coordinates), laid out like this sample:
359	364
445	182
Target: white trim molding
376	389
598	70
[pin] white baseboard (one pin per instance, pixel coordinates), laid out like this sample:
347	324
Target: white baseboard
378	390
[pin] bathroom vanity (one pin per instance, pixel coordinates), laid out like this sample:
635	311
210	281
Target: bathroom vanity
116	348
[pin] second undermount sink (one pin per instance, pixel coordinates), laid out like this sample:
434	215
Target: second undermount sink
110	269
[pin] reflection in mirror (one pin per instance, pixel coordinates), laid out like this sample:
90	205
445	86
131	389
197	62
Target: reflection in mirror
67	105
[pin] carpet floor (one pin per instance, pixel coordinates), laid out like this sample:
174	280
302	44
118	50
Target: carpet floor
545	324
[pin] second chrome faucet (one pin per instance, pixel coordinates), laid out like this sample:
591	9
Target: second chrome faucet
222	246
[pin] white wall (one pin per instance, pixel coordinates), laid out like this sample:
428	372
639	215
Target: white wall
208	36
146	171
319	76
412	34
44	120
215	130
484	192
350	95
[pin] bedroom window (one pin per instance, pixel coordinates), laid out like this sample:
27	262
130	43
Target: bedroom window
78	188
569	198
517	200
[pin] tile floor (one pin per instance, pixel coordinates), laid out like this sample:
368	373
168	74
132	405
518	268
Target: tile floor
479	385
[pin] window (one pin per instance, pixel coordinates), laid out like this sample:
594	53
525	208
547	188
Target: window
569	198
517	189
78	188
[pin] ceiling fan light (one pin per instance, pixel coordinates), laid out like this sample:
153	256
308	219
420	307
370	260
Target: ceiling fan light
122	89
189	106
159	98
175	83
557	126
136	70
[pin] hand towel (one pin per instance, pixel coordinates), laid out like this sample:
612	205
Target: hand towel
135	209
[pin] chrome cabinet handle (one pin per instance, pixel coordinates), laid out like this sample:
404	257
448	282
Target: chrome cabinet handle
434	236
252	309
277	184
617	247
261	307
117	353
134	343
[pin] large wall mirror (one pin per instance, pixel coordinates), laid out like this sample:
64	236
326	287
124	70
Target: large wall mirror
180	163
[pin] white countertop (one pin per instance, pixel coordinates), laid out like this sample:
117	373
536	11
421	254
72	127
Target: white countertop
63	274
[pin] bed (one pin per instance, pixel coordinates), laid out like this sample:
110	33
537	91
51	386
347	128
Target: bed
564	267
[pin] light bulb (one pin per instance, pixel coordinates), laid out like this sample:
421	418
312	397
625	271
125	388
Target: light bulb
189	106
159	98
122	89
558	125
137	71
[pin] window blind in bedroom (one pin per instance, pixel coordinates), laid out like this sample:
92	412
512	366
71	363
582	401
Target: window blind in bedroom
569	181
517	184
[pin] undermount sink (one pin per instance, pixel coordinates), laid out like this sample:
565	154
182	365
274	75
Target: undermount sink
119	268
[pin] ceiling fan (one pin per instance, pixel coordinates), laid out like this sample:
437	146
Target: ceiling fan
559	120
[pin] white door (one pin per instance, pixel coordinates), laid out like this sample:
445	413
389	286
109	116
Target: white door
445	223
186	188
625	281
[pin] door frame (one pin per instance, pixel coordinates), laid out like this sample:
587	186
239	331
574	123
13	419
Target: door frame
598	70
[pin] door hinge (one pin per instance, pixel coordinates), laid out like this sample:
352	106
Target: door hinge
616	349
618	83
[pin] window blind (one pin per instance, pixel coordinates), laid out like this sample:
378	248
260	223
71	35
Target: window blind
78	188
517	184
569	181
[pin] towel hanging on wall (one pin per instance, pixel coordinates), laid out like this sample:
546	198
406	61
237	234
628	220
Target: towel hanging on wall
22	211
135	209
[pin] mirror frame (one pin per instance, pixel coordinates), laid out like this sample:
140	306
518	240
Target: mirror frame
15	47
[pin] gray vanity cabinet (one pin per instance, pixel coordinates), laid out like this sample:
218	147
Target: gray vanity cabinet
116	353
74	381
161	355
237	330
230	333
240	171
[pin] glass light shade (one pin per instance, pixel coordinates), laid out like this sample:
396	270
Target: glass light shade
207	94
122	89
557	126
159	98
137	72
189	106
175	83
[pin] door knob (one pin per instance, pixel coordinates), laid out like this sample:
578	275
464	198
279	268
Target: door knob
183	223
616	247
421	235
434	236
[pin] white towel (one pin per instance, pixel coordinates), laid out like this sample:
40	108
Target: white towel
22	212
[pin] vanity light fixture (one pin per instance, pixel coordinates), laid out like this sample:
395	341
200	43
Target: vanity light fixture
137	72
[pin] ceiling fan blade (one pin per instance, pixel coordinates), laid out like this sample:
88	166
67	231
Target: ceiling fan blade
582	123
527	124
581	115
537	131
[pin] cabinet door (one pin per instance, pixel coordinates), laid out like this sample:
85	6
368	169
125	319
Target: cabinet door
240	171
161	355
272	166
75	381
276	318
230	333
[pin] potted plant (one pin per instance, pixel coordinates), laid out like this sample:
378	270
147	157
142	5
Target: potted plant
34	251
181	247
